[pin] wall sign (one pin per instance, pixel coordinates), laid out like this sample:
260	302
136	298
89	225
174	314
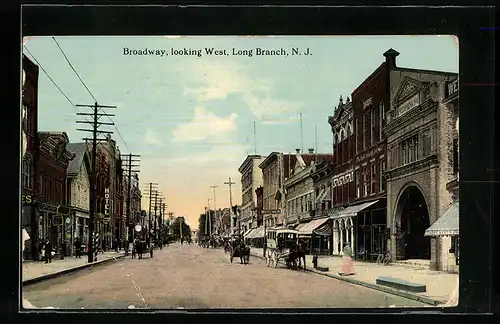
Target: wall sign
409	104
367	102
452	88
271	211
106	201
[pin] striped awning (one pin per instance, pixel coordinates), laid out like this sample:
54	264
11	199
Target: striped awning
247	232
324	230
446	225
309	227
352	211
257	233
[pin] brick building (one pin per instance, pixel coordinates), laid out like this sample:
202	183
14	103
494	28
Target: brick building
251	179
29	182
259	197
51	174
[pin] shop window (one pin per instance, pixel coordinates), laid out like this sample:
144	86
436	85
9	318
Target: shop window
373	175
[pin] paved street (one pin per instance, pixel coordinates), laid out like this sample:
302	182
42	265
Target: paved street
193	277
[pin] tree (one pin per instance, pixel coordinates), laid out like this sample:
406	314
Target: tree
202	224
179	223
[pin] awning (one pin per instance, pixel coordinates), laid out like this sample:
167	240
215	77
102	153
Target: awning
300	226
247	232
258	233
352	211
446	225
308	228
324	230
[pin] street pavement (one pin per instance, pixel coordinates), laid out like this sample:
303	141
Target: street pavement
440	286
188	276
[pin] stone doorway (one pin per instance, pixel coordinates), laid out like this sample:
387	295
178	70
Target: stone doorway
412	215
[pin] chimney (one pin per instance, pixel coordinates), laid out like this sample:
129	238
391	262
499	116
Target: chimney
311	151
390	58
297	151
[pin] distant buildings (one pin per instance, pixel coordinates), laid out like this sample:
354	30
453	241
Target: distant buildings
251	179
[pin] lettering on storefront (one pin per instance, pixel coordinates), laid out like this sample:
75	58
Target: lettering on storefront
452	88
106	201
409	104
368	154
367	102
27	199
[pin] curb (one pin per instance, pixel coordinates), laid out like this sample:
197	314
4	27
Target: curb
400	293
67	271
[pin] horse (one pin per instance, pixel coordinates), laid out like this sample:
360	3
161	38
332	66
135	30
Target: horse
140	248
241	251
301	254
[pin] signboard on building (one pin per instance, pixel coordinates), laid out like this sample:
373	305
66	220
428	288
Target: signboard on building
409	104
271	211
106	201
451	88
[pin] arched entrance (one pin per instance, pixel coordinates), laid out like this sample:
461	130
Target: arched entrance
412	214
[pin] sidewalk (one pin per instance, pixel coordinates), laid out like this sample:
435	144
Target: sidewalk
439	285
34	271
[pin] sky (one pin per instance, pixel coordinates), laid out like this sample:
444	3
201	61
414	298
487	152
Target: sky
191	119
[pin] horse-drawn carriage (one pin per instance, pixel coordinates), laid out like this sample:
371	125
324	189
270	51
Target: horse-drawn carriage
140	247
237	248
283	246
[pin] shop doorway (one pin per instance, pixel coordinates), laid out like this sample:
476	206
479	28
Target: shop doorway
413	216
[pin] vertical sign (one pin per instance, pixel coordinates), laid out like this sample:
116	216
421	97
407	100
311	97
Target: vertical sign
106	201
452	88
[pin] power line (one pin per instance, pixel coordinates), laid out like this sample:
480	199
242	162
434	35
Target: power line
71	65
48	76
74	70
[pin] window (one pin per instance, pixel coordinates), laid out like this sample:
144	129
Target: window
373	174
381	118
381	175
410	150
357	184
363	133
416	148
356	129
455	156
365	182
372	126
25	123
26	172
404	161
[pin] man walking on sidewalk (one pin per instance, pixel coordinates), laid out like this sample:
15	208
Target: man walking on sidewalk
78	248
48	251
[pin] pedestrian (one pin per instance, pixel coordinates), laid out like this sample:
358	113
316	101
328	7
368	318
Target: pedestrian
78	248
48	251
347	265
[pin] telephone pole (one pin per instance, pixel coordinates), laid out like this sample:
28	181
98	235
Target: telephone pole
215	209
95	124
229	183
157	208
162	227
209	218
152	188
129	168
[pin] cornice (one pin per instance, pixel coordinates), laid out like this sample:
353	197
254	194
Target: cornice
410	117
411	167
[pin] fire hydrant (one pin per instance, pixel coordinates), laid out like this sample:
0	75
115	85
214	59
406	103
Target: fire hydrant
315	261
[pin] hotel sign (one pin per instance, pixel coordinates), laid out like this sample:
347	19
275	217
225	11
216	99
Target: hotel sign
452	88
106	201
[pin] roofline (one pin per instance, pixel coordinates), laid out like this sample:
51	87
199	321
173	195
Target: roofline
426	71
268	159
369	78
247	160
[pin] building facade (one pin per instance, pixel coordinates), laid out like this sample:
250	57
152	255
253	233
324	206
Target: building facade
53	208
419	135
78	185
259	194
29	181
251	179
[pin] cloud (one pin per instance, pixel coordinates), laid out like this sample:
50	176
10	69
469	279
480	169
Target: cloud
204	125
151	138
216	80
281	120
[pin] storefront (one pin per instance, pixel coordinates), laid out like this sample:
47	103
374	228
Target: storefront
53	226
371	234
446	230
346	229
316	234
